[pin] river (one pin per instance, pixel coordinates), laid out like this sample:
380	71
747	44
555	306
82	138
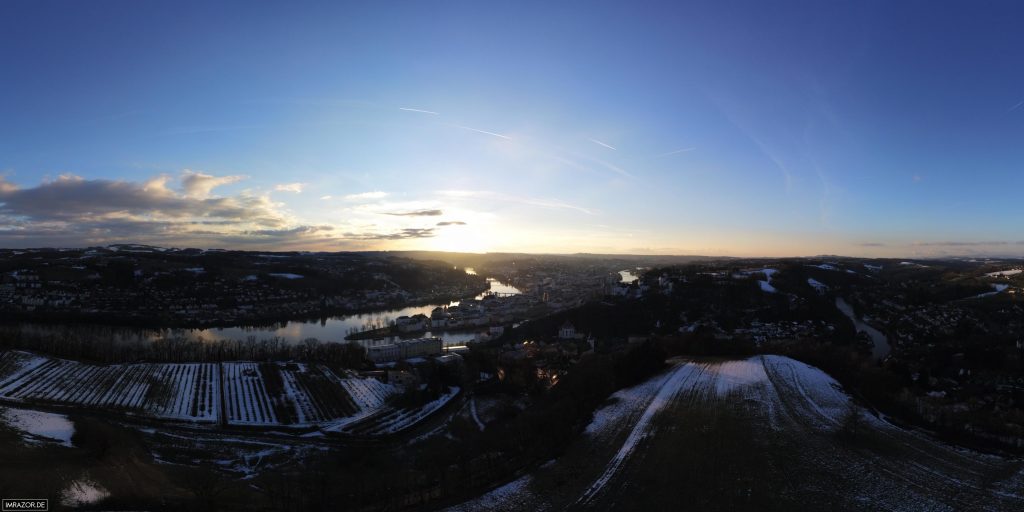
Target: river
327	329
881	348
627	276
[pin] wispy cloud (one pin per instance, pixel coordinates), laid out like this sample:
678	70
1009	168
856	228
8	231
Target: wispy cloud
487	195
294	188
324	198
670	153
451	223
733	113
787	175
418	110
1015	107
483	131
416	213
403	234
298	230
599	143
871	244
957	243
366	195
612	167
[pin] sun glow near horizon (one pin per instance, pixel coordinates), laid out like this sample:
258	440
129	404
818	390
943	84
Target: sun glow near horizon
461	239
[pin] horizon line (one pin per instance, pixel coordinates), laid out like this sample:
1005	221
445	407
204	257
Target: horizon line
528	253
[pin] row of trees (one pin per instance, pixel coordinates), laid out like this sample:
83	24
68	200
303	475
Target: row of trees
86	346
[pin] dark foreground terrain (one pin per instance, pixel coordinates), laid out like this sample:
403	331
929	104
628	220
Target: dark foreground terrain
765	433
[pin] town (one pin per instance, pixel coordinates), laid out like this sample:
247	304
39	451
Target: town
936	344
159	287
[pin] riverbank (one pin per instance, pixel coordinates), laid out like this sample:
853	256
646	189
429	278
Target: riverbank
292	331
881	346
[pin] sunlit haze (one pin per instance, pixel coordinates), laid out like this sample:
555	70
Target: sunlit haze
716	128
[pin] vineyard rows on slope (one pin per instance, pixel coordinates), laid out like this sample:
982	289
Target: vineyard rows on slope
236	393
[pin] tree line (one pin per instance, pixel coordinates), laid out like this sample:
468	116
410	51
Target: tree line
88	346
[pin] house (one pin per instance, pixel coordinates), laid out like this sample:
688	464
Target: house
567	331
439	317
413	323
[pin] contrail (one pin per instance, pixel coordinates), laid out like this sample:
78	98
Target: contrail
595	141
613	167
483	131
1015	107
676	152
418	110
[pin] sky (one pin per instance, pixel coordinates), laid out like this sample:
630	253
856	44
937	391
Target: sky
789	128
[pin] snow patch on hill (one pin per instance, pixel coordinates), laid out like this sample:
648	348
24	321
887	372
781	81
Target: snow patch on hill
733	375
511	496
819	286
672	386
623	404
37	426
998	287
1005	273
83	492
285	275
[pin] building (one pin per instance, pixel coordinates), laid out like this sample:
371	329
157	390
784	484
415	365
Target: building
405	349
439	317
413	323
421	347
384	353
567	331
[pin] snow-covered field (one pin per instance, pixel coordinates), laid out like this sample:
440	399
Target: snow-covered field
817	285
388	420
511	496
368	393
245	393
834	268
998	287
1005	273
245	396
38	426
671	386
175	391
82	492
766	285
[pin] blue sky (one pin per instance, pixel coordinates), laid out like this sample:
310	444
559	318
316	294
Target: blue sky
723	128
